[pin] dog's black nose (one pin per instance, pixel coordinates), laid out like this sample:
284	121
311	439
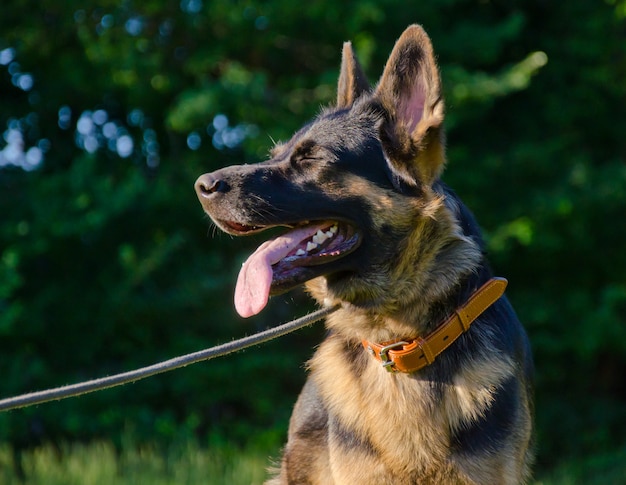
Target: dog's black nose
208	184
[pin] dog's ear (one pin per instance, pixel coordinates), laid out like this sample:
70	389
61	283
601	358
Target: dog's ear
410	94
352	80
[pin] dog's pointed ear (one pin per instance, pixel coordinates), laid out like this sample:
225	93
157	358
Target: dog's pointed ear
410	94
352	80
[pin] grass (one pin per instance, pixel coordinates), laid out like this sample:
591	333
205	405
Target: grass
100	463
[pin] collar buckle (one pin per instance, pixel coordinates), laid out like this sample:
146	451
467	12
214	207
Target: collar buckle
389	364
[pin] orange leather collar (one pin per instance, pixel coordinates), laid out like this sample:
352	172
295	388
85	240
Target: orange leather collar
414	354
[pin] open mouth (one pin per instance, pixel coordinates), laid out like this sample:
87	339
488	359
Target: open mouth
279	264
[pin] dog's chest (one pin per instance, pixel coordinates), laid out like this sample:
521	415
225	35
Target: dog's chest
395	417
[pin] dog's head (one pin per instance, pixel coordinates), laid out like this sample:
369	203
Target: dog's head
357	189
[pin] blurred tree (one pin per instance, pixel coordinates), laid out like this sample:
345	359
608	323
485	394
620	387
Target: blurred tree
111	109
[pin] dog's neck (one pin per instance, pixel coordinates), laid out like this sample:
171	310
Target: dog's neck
411	355
386	321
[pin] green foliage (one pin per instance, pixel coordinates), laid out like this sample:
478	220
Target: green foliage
601	469
107	262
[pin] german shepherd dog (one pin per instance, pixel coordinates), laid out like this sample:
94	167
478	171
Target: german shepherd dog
371	228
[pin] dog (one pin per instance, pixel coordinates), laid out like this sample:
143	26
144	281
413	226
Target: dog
425	376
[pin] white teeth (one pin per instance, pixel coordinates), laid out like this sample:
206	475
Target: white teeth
317	239
320	237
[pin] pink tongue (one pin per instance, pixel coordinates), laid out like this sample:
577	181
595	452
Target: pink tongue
255	278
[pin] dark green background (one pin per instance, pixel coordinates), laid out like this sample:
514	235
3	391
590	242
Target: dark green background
108	263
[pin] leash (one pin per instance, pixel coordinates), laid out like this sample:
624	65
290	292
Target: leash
73	390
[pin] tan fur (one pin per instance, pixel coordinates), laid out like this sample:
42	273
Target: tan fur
384	414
